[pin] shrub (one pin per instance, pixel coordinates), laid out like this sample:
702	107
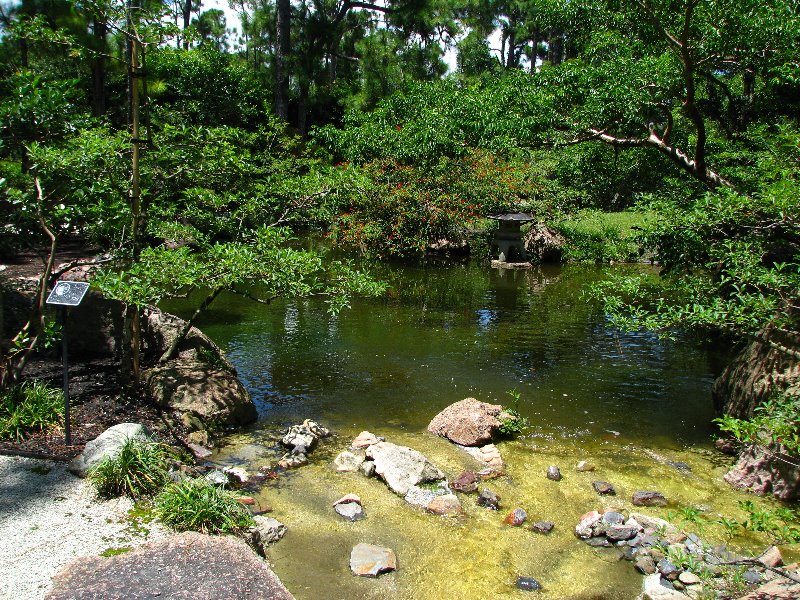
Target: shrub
197	505
139	470
32	406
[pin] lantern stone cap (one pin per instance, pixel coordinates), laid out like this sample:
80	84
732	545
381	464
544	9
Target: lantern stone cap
519	217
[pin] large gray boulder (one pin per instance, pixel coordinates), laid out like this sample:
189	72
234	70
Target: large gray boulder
189	566
402	467
107	445
468	422
199	386
203	396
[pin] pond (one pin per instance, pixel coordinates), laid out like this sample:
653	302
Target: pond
636	407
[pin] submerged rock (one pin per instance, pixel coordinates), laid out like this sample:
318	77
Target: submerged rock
649	498
402	467
516	518
468	422
543	527
529	584
553	473
467	482
445	505
583	467
604	488
267	531
351	511
367	560
488	499
348	462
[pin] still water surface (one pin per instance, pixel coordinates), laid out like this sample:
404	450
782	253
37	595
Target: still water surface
626	402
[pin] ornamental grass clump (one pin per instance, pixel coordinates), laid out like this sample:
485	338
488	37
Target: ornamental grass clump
198	505
138	471
32	406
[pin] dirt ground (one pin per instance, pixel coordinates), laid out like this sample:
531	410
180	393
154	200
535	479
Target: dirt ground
97	400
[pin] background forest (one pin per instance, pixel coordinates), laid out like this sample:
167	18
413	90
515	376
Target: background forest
191	154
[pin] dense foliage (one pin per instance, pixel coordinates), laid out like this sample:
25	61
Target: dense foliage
192	156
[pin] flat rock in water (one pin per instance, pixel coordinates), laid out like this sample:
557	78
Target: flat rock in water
185	566
267	531
543	527
604	488
621	533
350	511
583	467
306	435
446	505
417	496
489	455
401	467
467	482
365	439
367	560
349	462
649	498
468	422
613	517
107	445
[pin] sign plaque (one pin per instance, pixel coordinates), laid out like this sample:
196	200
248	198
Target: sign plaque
67	293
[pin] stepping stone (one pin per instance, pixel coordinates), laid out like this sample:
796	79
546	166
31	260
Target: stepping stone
367	560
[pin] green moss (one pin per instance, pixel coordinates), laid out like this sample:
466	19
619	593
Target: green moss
115	551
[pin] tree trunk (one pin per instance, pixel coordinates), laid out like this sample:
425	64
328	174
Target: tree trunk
511	62
187	21
302	109
555	50
282	26
99	68
135	193
170	352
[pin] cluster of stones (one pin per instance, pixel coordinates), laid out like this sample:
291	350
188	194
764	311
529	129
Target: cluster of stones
649	542
406	472
301	439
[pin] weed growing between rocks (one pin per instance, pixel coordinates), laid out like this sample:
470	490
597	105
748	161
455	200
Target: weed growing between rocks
31	406
138	471
197	505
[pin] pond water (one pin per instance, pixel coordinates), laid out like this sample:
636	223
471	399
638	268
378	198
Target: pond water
628	403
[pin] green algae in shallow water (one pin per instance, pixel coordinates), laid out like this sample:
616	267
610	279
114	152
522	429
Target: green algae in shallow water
115	551
622	401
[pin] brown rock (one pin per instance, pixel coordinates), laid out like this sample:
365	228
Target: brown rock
727	446
604	488
767	472
446	505
779	589
649	498
248	500
188	566
467	482
468	422
365	439
488	455
516	517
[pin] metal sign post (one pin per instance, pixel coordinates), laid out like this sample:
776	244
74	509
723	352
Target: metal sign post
66	294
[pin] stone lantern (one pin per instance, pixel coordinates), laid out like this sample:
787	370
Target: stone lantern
507	241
